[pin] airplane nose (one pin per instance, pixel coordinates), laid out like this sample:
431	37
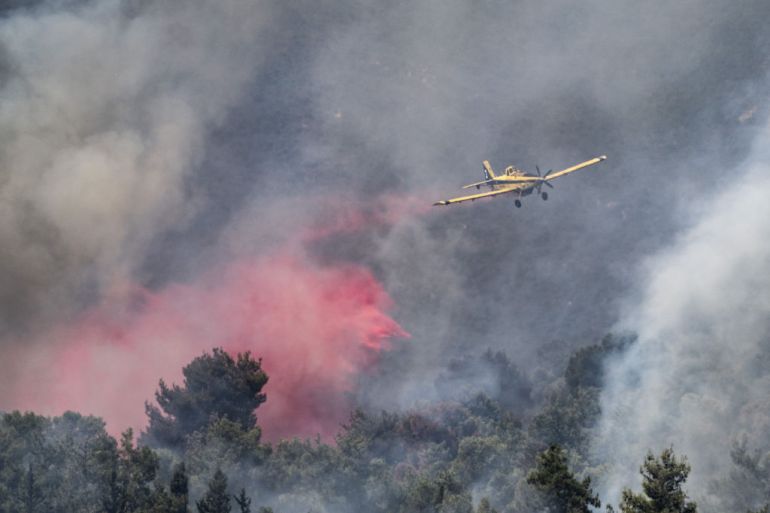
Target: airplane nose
603	157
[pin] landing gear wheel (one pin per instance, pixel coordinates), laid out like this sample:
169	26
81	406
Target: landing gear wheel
544	195
517	203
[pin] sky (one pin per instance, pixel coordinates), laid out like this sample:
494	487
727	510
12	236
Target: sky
160	157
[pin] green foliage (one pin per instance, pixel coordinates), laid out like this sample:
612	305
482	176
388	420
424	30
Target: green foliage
162	501
215	387
425	460
586	367
243	501
53	465
662	480
747	485
564	492
32	496
129	485
216	499
571	410
477	455
391	436
311	472
441	493
179	488
566	420
485	507
224	444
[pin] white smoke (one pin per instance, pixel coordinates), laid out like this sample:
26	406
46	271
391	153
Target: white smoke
698	377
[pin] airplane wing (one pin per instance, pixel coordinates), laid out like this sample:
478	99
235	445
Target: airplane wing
477	184
474	197
574	168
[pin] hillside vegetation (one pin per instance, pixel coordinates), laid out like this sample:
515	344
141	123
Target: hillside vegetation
203	451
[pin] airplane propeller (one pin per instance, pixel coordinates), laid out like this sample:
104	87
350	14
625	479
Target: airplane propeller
543	179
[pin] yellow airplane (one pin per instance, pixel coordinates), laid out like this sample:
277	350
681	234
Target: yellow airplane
517	182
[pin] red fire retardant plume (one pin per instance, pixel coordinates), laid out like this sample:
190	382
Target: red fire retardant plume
315	327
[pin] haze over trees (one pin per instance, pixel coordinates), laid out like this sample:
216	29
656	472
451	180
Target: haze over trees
202	452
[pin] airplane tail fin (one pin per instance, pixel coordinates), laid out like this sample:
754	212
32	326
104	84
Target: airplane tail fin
488	173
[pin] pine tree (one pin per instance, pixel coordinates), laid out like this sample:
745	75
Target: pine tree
485	507
662	481
179	488
216	386
128	483
565	493
32	495
160	502
243	501
216	499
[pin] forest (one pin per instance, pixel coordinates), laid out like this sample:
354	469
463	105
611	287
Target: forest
202	451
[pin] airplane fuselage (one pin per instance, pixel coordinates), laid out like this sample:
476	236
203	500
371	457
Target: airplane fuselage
514	184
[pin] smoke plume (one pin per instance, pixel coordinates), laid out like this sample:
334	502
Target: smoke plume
697	377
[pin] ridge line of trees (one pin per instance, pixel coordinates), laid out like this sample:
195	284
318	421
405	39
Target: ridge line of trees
202	451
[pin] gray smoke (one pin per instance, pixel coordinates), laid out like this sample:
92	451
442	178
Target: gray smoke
697	378
413	97
143	140
104	115
105	109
